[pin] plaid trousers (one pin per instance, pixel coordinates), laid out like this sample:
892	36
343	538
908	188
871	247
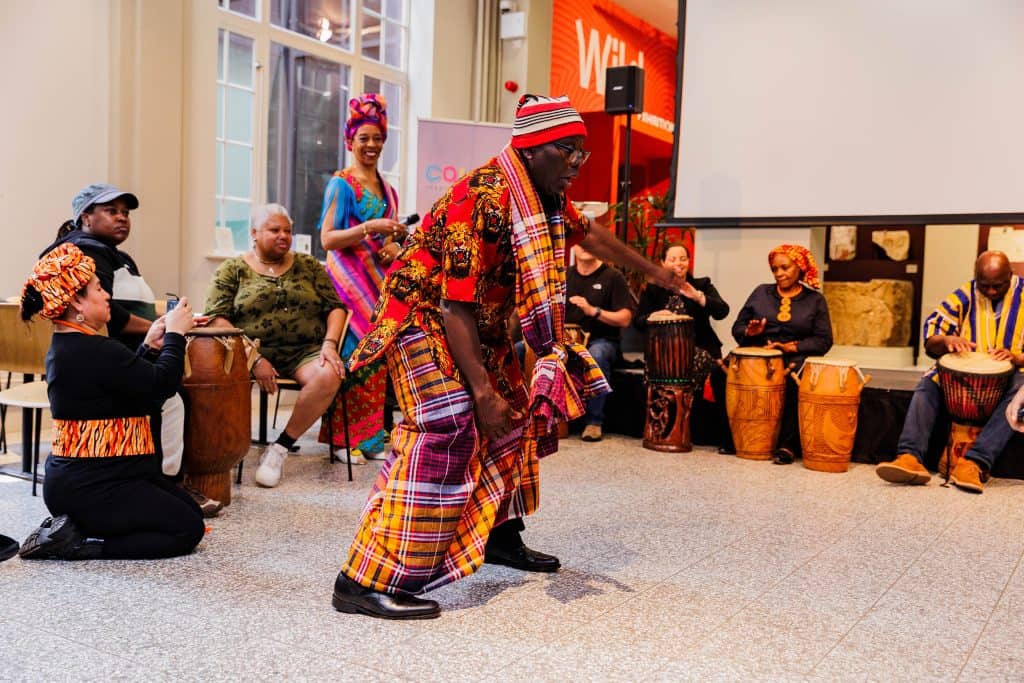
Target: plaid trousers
442	488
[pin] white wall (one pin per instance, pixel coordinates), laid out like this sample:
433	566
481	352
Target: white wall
949	255
90	100
56	82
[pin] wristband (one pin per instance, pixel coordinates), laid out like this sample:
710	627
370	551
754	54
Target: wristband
332	341
597	313
365	232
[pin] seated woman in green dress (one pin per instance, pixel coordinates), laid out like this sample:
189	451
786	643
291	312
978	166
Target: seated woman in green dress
286	301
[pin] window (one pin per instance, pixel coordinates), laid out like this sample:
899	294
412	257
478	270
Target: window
384	31
246	7
286	71
305	143
235	135
329	21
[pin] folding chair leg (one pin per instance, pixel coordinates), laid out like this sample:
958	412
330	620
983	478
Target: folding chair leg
348	443
238	477
35	451
330	431
262	435
3	428
277	404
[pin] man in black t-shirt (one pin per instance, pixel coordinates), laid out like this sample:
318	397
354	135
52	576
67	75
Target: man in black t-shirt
600	302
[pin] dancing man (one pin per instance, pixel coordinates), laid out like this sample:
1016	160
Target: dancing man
463	469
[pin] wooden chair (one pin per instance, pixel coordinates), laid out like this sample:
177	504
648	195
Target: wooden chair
22	350
288	384
29	397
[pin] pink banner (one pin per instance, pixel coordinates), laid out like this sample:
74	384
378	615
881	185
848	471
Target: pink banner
447	150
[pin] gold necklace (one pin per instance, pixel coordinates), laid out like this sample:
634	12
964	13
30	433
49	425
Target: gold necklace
785	307
269	264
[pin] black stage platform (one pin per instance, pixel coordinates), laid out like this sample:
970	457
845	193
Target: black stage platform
883	406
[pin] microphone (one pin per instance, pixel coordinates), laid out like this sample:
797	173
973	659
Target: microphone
409	220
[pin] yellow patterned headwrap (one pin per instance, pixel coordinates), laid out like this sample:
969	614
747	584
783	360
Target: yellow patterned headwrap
803	259
58	276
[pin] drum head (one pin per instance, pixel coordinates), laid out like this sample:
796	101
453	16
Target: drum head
214	332
667	318
832	362
975	363
755	352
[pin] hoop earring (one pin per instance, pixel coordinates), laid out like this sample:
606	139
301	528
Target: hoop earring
79	318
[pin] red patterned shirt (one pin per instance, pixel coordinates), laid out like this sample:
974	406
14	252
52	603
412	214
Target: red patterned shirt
461	252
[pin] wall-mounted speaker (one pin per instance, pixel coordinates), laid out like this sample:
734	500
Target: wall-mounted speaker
624	90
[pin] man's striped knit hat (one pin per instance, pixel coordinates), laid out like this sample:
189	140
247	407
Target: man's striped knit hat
540	120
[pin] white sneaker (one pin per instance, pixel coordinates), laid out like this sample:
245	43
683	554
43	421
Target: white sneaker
357	456
272	459
383	455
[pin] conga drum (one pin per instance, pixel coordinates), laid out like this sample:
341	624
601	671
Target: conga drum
217	423
755	393
973	384
829	399
670	386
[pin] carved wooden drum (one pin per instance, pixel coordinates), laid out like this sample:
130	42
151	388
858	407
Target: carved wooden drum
829	400
670	384
754	395
973	384
217	423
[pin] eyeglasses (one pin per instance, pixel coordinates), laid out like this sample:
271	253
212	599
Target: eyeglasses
573	155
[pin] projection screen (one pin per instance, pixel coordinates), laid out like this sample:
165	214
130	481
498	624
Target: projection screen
835	111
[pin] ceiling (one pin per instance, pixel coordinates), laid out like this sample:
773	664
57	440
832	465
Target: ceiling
658	13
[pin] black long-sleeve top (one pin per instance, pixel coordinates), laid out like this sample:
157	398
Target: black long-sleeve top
92	377
810	325
655	298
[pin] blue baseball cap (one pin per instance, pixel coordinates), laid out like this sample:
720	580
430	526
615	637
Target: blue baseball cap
99	193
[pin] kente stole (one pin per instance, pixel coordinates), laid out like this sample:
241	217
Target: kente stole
565	375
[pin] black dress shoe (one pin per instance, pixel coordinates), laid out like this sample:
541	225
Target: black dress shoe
352	598
521	557
783	456
8	548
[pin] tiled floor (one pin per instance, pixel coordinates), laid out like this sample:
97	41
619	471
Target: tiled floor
675	567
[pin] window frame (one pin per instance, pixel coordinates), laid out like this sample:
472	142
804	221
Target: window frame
263	33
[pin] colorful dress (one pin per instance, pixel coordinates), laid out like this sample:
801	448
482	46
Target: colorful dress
358	277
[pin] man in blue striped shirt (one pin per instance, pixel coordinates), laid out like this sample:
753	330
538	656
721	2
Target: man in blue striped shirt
982	315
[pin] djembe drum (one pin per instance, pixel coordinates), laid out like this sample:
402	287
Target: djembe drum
829	399
574	334
670	383
755	393
217	424
973	384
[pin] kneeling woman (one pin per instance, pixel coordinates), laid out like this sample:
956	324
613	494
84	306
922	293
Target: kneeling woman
103	479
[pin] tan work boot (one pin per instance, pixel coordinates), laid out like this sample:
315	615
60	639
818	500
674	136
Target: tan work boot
967	476
905	469
591	433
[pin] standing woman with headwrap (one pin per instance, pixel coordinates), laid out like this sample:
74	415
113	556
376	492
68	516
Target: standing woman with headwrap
359	231
103	483
789	315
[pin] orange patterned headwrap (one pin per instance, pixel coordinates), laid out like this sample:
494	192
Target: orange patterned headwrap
803	259
57	277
